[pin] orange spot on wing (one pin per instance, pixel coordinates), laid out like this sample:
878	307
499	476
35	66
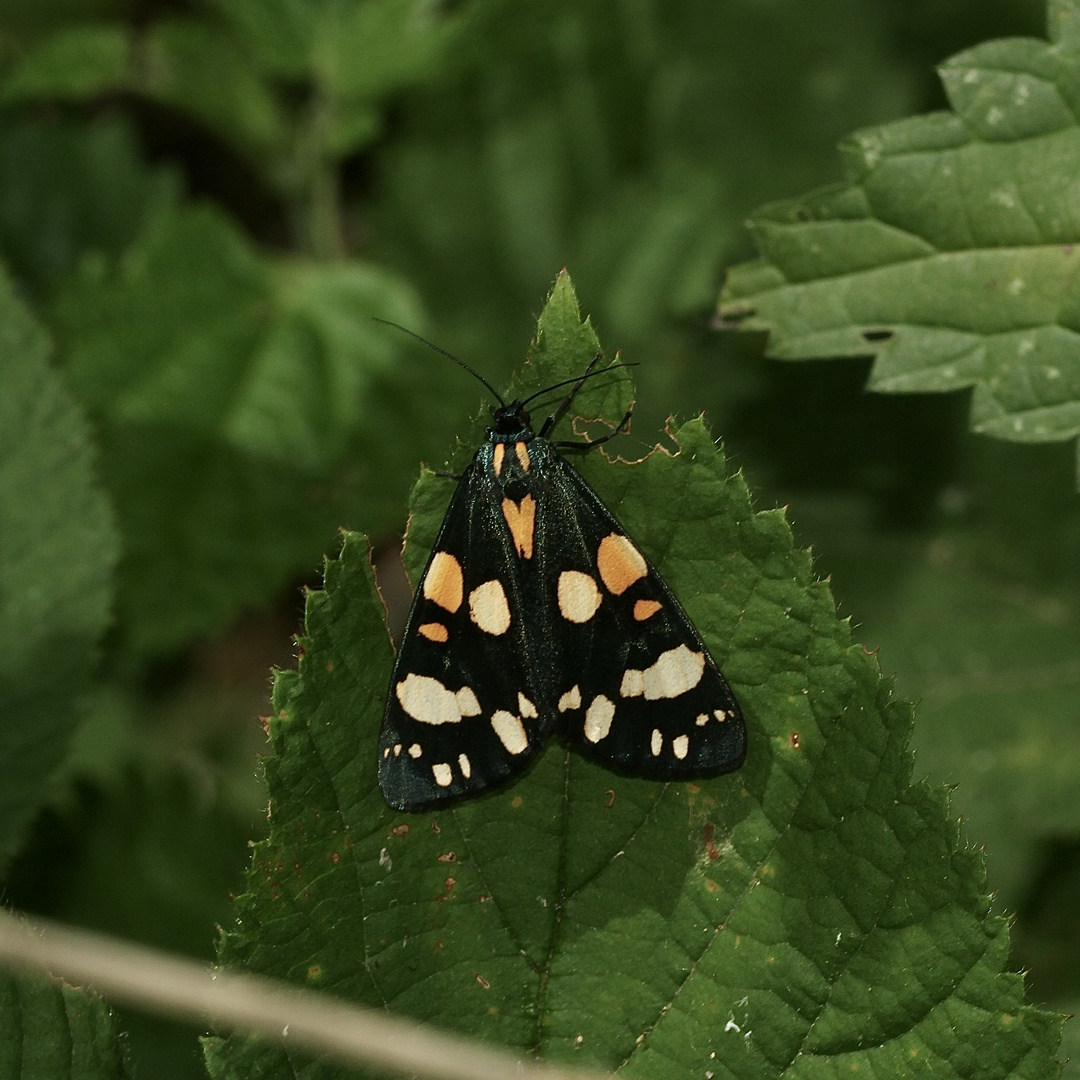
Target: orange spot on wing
522	452
521	521
443	582
497	461
620	563
644	609
434	631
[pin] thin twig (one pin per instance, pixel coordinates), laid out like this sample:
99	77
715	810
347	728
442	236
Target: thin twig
187	990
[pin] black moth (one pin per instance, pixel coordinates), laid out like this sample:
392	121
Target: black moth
537	613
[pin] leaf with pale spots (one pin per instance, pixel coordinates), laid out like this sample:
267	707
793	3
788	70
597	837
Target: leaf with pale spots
814	911
951	252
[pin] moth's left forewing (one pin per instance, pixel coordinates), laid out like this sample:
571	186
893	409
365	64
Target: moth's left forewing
642	693
461	714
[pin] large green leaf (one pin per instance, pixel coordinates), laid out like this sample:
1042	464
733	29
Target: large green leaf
233	393
814	914
951	252
58	548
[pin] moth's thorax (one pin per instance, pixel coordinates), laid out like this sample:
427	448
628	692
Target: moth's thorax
510	463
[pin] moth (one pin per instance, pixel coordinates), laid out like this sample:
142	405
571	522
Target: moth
537	614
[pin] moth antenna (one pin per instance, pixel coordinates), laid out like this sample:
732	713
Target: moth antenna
449	355
576	379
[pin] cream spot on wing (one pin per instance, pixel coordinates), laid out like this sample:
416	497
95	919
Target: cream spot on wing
571	699
702	719
442	774
674	672
488	607
466	702
598	717
620	563
526	707
645	609
656	743
510	730
386	752
720	715
521	521
681	746
427	700
414	750
433	631
443	583
397	750
497	459
522	452
578	596
633	683
466	765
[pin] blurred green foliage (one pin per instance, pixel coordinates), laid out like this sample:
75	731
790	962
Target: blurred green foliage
201	205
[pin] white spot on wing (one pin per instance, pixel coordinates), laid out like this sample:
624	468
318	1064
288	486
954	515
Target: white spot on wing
579	596
466	765
656	743
571	699
598	718
442	774
414	750
488	607
426	699
510	730
702	719
673	673
681	746
526	707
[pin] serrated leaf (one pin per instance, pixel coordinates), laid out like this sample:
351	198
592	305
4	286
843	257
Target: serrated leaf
814	913
233	393
950	253
57	556
198	331
49	1031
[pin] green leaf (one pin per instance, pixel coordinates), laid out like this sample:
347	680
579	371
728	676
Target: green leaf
197	330
56	561
814	913
951	252
73	192
352	49
623	146
74	63
234	394
49	1031
196	67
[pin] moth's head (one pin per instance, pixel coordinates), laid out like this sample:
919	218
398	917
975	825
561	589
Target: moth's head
510	421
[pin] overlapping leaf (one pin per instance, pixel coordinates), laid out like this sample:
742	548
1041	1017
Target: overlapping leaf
813	913
951	253
231	390
57	555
